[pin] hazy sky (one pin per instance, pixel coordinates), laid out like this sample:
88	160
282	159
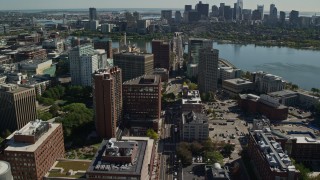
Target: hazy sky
286	5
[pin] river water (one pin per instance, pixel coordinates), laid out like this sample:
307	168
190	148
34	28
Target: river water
301	67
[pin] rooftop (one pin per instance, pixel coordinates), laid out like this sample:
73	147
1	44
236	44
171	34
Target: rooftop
273	153
100	165
192	117
144	80
282	93
308	140
238	81
69	168
28	129
12	88
193	97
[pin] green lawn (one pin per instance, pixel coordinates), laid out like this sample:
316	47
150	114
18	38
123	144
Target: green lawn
74	165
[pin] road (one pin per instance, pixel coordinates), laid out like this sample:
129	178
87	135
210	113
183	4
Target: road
167	146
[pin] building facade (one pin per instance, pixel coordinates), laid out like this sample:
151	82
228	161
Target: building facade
161	51
142	101
194	126
107	98
235	86
266	83
83	62
17	106
269	159
208	70
133	65
33	149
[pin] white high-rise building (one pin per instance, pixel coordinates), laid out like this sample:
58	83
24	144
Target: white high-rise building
83	63
239	9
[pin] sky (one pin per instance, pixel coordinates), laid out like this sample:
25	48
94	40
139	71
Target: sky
282	5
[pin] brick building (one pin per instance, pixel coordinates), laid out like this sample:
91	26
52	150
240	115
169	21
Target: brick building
271	109
142	101
161	52
33	149
107	99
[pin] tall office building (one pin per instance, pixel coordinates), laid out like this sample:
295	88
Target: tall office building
239	9
142	101
187	7
273	14
203	9
107	99
93	14
194	46
32	150
221	10
161	51
133	65
166	14
208	70
228	13
178	17
215	11
282	18
260	8
17	106
294	18
83	62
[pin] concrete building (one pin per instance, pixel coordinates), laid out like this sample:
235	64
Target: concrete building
292	98
208	70
194	46
228	73
178	17
266	83
216	172
107	28
107	100
194	126
203	9
269	159
35	66
163	73
17	106
161	51
167	15
4	28
5	171
191	101
264	105
33	149
53	45
294	18
83	63
142	102
133	65
236	86
130	158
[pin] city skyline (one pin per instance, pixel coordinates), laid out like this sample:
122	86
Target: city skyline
70	4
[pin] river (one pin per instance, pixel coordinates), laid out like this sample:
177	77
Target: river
301	67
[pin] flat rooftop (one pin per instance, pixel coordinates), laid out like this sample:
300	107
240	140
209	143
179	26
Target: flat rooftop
12	88
282	93
144	80
27	147
98	165
192	118
238	81
193	97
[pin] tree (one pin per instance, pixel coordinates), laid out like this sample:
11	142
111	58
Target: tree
184	154
44	115
54	110
152	134
208	145
228	149
196	148
213	157
192	86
